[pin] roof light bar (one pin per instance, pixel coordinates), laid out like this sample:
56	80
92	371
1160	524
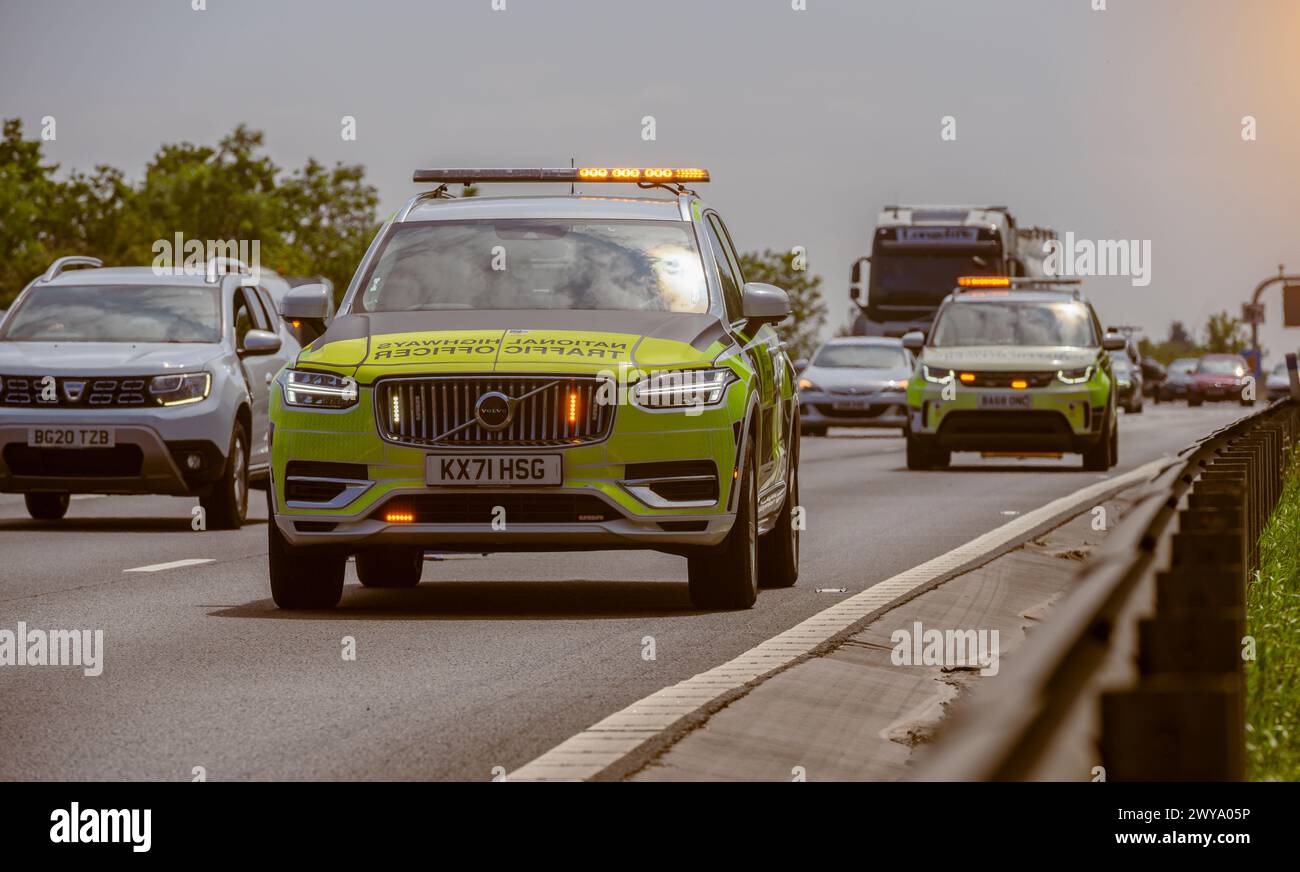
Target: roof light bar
984	282
647	175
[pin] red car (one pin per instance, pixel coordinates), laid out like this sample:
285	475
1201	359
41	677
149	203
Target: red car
1219	377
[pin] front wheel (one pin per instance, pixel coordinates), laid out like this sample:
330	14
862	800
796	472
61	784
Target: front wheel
1105	453
46	506
778	550
921	456
302	578
226	506
399	566
727	578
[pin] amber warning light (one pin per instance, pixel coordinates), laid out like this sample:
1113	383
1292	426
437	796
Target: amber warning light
637	175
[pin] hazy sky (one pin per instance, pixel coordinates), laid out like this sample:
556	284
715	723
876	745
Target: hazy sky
1124	123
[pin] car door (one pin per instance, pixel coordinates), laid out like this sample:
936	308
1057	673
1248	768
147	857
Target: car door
763	349
260	370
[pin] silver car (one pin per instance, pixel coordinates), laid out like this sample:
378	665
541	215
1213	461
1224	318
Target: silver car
1278	383
855	381
125	381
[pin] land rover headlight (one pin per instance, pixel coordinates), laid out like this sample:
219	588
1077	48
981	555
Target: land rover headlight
1074	376
936	374
319	390
180	388
682	388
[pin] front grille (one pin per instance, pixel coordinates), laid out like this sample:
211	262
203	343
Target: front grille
970	423
1004	379
309	491
875	411
481	508
121	461
440	411
76	391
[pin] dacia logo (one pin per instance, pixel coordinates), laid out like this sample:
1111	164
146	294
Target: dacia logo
73	390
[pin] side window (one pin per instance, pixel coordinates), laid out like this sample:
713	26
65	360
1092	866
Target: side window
255	313
728	270
268	306
243	319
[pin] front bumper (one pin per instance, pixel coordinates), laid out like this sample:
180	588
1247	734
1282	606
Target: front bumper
593	508
876	409
1065	418
151	449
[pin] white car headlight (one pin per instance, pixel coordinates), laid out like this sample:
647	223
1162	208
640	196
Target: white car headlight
181	388
682	388
1074	376
936	374
319	390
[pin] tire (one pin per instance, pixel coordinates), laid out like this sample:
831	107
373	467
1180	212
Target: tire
226	505
1105	453
397	566
46	506
1193	403
814	431
302	578
1137	408
920	456
778	549
727	577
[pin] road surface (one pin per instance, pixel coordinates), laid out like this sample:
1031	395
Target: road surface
488	663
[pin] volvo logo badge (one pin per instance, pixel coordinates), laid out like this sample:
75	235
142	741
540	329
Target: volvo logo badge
493	411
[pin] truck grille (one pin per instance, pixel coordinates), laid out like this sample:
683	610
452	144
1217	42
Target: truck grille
76	391
545	410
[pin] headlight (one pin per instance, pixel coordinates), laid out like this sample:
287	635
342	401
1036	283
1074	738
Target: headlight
896	385
936	374
181	388
677	389
320	390
807	385
1075	376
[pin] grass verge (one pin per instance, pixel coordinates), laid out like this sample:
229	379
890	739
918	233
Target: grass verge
1273	619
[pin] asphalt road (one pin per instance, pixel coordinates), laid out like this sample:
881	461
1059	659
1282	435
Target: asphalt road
488	663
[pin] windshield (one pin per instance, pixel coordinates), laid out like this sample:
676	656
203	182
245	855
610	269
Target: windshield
1122	365
538	264
1003	323
1183	365
861	355
117	313
1222	366
905	277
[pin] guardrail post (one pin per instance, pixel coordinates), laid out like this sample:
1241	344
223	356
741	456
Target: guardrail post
1186	718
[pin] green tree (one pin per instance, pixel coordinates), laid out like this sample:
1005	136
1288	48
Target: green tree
313	221
809	309
1225	334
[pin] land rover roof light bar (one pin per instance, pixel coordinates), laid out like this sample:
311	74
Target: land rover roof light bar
967	284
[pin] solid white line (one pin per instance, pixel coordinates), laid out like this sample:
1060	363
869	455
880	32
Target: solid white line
175	564
652	719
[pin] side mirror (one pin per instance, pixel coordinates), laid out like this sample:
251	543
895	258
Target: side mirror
312	302
1114	342
855	282
764	304
914	340
260	342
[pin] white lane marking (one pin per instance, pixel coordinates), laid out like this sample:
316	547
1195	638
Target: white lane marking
650	720
175	564
88	496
